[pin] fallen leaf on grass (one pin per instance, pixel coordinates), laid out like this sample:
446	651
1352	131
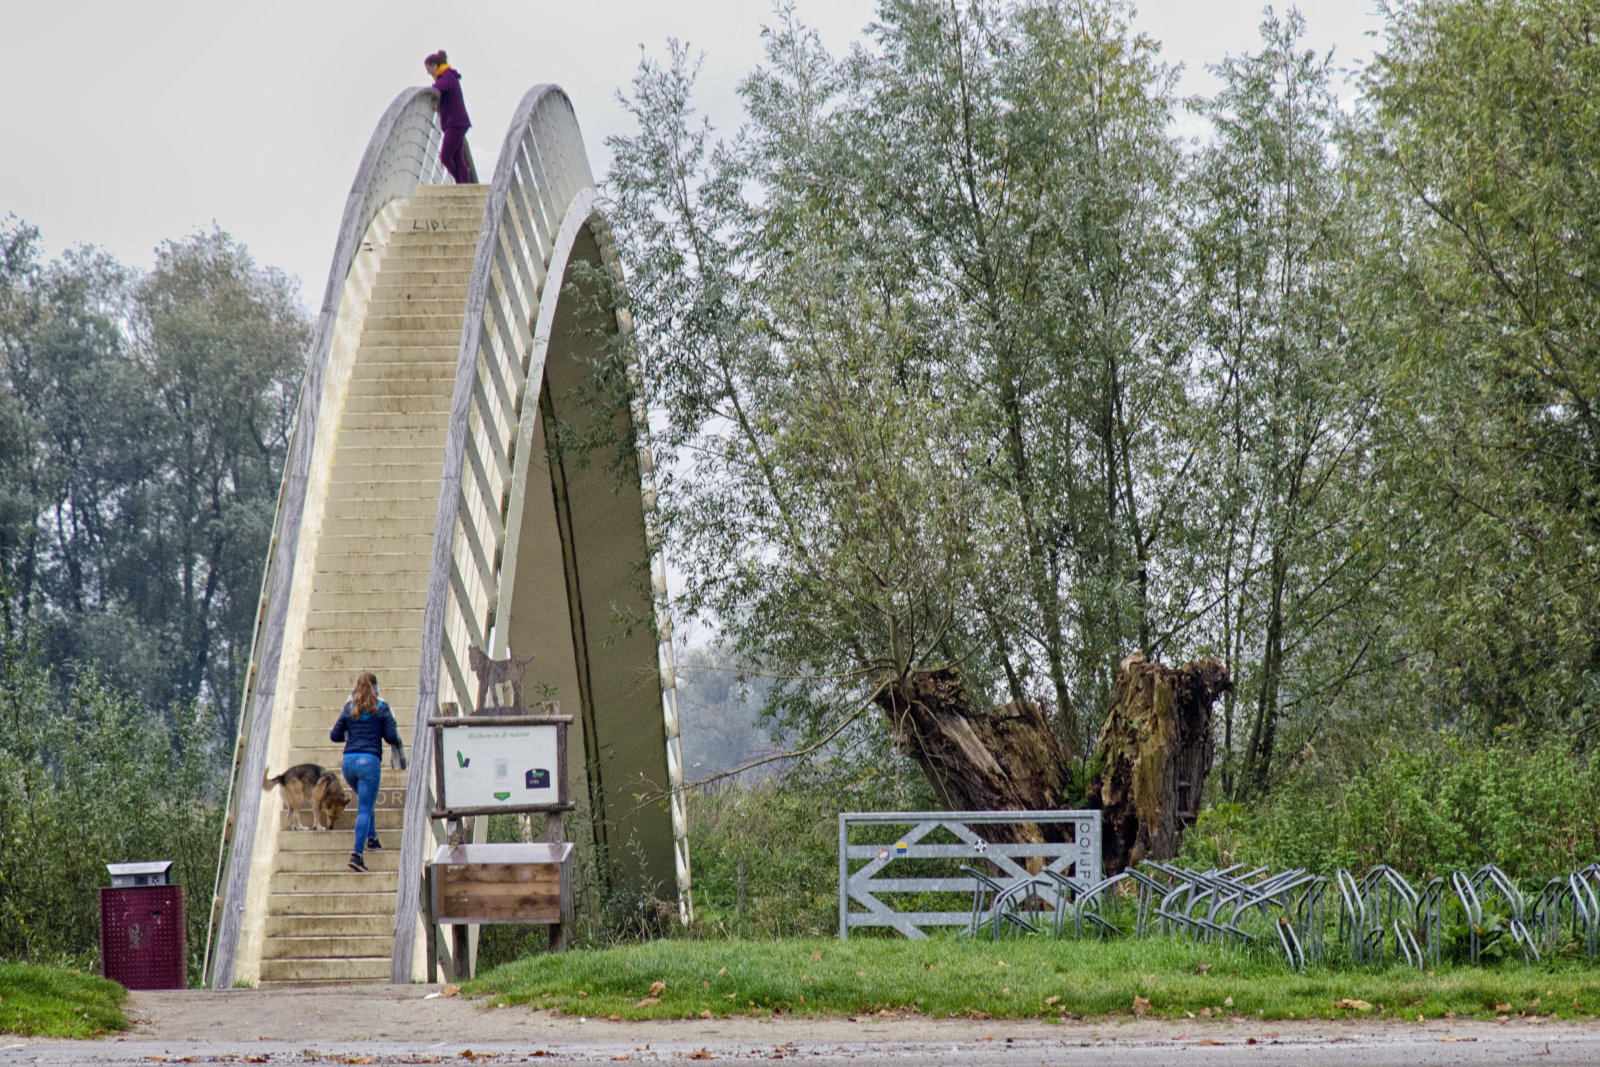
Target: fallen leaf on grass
657	988
1051	1000
1353	1004
816	954
1502	1007
1140	1005
707	1014
449	990
1202	968
1228	1003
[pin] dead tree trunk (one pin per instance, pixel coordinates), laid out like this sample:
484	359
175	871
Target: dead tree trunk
1152	757
977	759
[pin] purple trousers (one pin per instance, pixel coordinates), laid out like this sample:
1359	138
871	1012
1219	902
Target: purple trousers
453	154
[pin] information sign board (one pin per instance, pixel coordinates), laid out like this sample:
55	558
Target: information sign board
484	766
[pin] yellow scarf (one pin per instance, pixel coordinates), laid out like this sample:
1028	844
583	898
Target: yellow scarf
440	69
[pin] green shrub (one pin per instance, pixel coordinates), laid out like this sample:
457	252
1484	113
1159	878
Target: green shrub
87	781
1533	809
766	854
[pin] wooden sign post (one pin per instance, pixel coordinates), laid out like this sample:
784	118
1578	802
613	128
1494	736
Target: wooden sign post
493	765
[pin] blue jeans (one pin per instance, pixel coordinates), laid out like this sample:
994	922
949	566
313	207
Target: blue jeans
362	771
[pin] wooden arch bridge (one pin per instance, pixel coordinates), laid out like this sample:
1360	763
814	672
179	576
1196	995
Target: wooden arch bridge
433	503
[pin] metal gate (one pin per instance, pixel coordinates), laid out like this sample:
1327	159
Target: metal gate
1077	859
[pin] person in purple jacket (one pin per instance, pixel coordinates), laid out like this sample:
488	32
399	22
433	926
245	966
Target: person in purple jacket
452	116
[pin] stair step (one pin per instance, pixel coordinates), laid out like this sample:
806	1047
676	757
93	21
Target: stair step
374	897
326	948
337	588
330	925
399	468
438	337
402	491
433	407
331	862
387	818
392	677
356	968
413	518
290	884
328	852
371	420
421	281
414	304
411	547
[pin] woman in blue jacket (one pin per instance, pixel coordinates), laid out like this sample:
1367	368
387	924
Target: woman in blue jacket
452	116
364	725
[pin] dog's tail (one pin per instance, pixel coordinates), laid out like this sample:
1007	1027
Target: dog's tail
269	781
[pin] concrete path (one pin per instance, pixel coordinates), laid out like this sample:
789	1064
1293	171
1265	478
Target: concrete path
397	1025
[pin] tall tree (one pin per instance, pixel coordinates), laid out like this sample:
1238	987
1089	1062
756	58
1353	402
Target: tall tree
143	423
909	333
1019	155
1285	394
221	343
1485	128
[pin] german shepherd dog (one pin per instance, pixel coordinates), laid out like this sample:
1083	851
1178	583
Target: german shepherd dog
328	798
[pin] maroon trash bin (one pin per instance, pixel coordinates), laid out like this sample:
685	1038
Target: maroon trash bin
143	938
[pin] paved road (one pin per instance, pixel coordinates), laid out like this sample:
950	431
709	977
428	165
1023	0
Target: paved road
396	1026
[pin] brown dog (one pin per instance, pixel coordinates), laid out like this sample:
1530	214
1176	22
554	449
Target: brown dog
328	798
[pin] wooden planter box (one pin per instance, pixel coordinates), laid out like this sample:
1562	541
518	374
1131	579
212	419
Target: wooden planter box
502	883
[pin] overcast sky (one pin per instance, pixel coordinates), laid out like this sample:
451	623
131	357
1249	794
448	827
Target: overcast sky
132	121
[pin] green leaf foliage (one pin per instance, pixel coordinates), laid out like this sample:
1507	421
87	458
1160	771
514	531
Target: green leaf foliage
88	780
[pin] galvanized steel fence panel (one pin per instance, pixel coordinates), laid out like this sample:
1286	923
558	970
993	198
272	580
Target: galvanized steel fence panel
1077	859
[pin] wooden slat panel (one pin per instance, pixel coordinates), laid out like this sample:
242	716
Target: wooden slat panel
503	892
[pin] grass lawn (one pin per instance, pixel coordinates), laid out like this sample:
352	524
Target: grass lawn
50	1002
1025	978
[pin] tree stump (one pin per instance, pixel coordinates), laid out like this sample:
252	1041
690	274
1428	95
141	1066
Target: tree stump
1152	757
978	759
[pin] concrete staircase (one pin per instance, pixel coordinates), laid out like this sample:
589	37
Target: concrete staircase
325	923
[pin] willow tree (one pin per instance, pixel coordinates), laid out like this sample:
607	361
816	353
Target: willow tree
908	336
1287	392
1485	128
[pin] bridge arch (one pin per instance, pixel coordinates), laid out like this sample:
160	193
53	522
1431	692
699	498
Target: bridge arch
534	548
